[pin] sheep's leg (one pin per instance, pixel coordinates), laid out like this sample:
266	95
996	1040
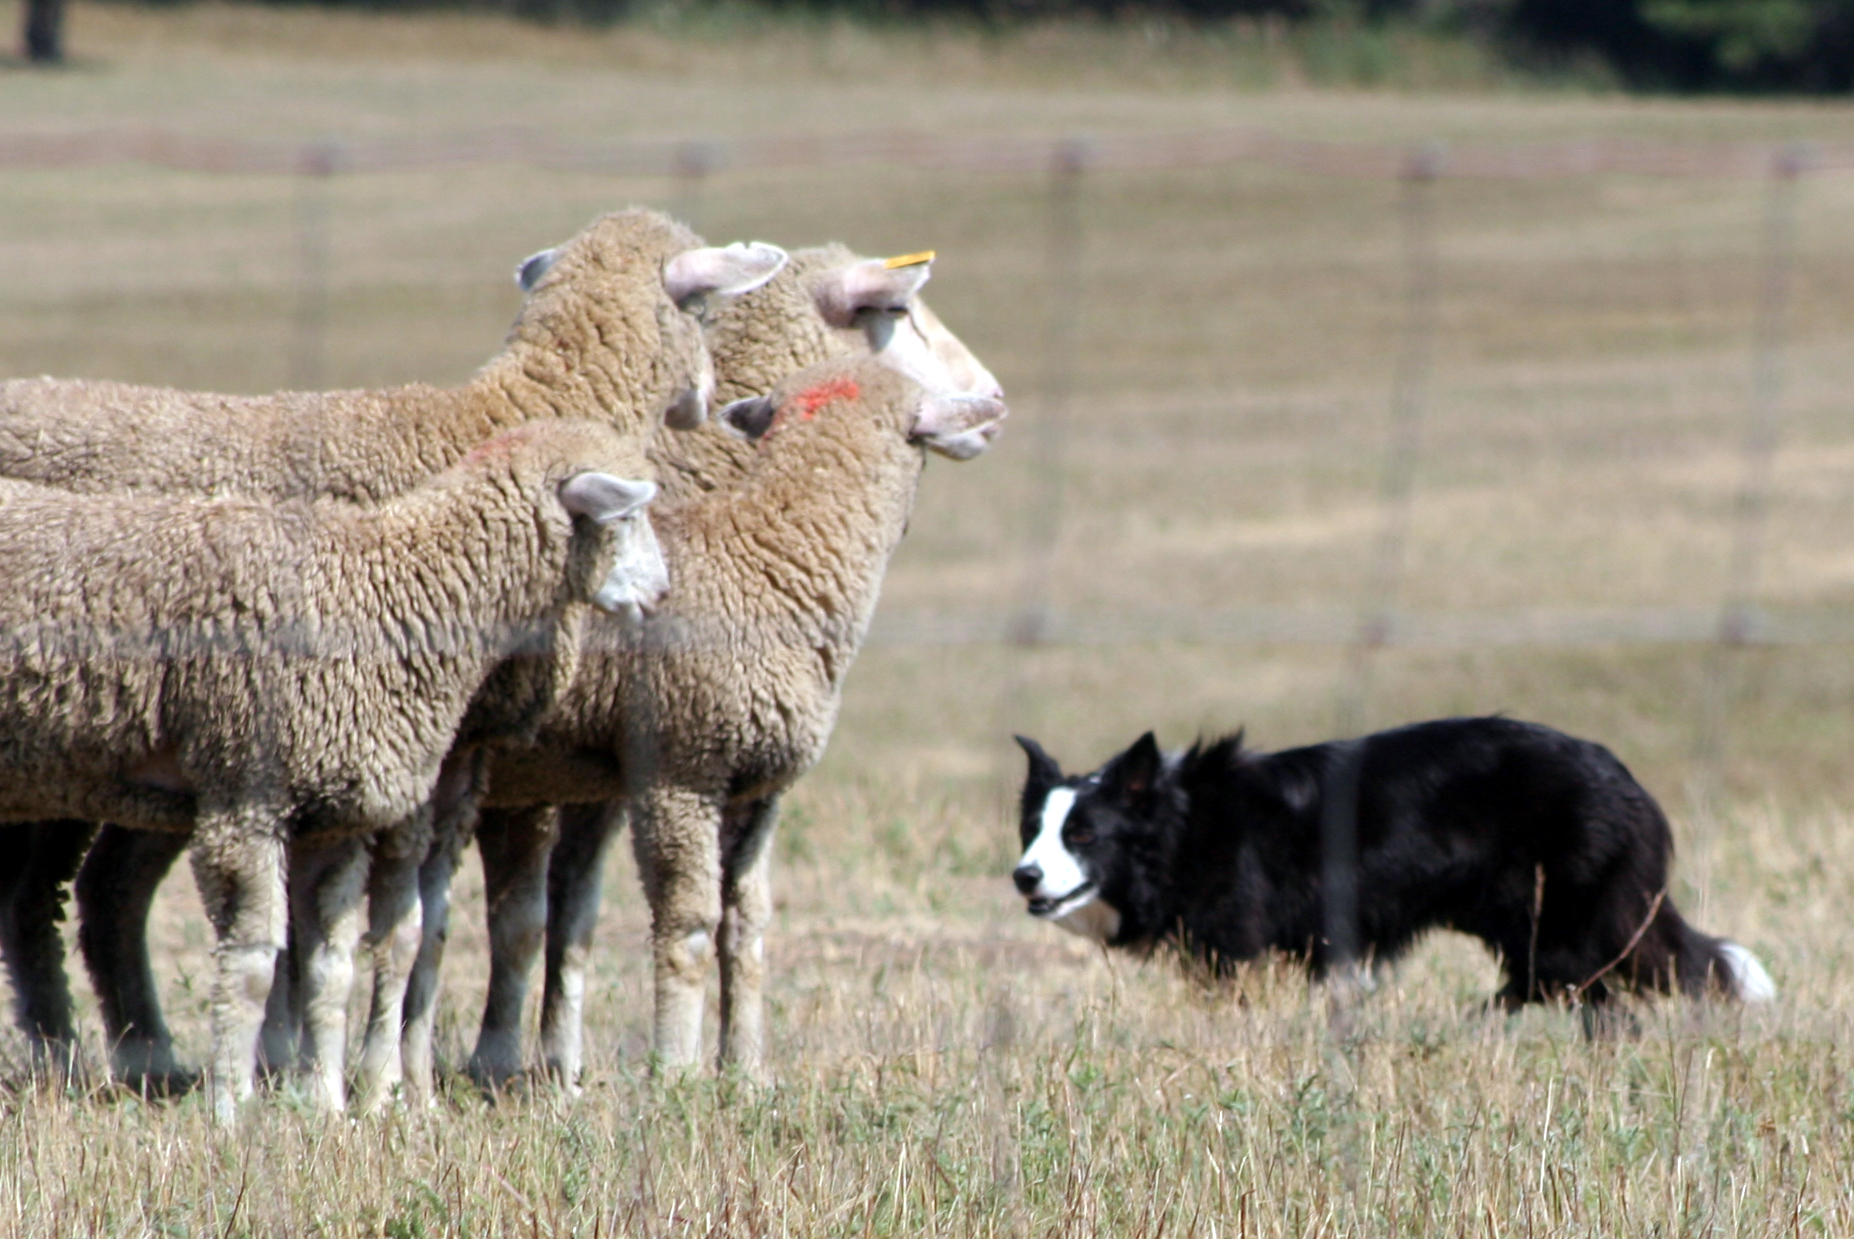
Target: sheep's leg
115	890
325	903
238	864
420	1012
676	834
394	935
515	845
36	861
280	1041
746	910
459	797
575	884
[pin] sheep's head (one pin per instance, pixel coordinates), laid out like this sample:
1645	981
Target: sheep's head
829	303
866	394
613	307
636	577
879	298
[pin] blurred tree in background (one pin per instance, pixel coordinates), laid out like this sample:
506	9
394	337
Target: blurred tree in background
1683	45
44	34
1698	44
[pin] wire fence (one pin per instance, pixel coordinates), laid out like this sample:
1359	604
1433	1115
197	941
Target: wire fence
1378	615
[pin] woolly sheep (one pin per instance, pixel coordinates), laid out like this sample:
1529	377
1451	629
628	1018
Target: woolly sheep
262	672
826	302
542	871
732	693
600	336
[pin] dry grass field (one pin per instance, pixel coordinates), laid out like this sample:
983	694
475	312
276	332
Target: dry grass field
944	1065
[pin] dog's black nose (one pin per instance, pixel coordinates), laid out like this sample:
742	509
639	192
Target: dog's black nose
1027	877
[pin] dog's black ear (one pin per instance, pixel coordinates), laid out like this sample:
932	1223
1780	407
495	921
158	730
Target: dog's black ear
1134	772
1043	768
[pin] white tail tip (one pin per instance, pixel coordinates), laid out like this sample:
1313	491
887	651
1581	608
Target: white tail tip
1749	981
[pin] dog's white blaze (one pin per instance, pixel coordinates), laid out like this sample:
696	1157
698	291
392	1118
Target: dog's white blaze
1062	873
1749	980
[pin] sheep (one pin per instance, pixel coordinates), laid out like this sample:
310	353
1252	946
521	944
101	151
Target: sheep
264	673
601	333
826	302
731	694
542	872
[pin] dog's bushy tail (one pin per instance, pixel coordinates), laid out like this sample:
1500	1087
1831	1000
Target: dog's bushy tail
1701	962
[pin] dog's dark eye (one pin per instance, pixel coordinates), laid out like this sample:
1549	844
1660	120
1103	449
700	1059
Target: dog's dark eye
1082	836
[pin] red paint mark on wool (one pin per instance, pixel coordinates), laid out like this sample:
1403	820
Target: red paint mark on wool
805	405
502	447
812	399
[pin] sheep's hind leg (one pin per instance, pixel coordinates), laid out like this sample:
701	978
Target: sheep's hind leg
325	905
238	864
459	797
36	861
115	890
395	934
575	885
746	897
676	832
515	845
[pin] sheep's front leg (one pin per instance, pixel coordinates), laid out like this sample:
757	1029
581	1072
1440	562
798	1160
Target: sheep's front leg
746	899
575	884
36	861
676	834
325	903
395	935
515	845
115	890
238	865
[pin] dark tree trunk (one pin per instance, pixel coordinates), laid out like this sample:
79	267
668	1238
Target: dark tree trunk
45	31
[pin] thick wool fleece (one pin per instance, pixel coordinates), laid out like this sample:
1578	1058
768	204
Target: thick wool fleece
160	653
598	338
732	693
772	586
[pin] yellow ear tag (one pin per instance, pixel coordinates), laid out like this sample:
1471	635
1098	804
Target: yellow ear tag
908	260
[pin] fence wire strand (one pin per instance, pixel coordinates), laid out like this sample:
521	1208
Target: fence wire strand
1035	616
1738	622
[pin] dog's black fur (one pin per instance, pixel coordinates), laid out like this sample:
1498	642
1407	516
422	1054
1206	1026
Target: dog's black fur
1219	851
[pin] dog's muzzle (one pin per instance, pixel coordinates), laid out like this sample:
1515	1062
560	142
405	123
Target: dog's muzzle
1029	877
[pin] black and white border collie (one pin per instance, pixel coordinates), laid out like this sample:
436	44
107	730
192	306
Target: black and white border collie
1539	844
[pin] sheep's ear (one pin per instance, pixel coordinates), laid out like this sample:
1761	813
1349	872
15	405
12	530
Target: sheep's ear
603	498
871	285
534	266
750	418
957	425
726	269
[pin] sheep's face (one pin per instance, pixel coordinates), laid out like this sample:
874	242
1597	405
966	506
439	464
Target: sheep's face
879	297
956	425
633	576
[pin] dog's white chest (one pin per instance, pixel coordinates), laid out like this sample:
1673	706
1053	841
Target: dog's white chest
1094	920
